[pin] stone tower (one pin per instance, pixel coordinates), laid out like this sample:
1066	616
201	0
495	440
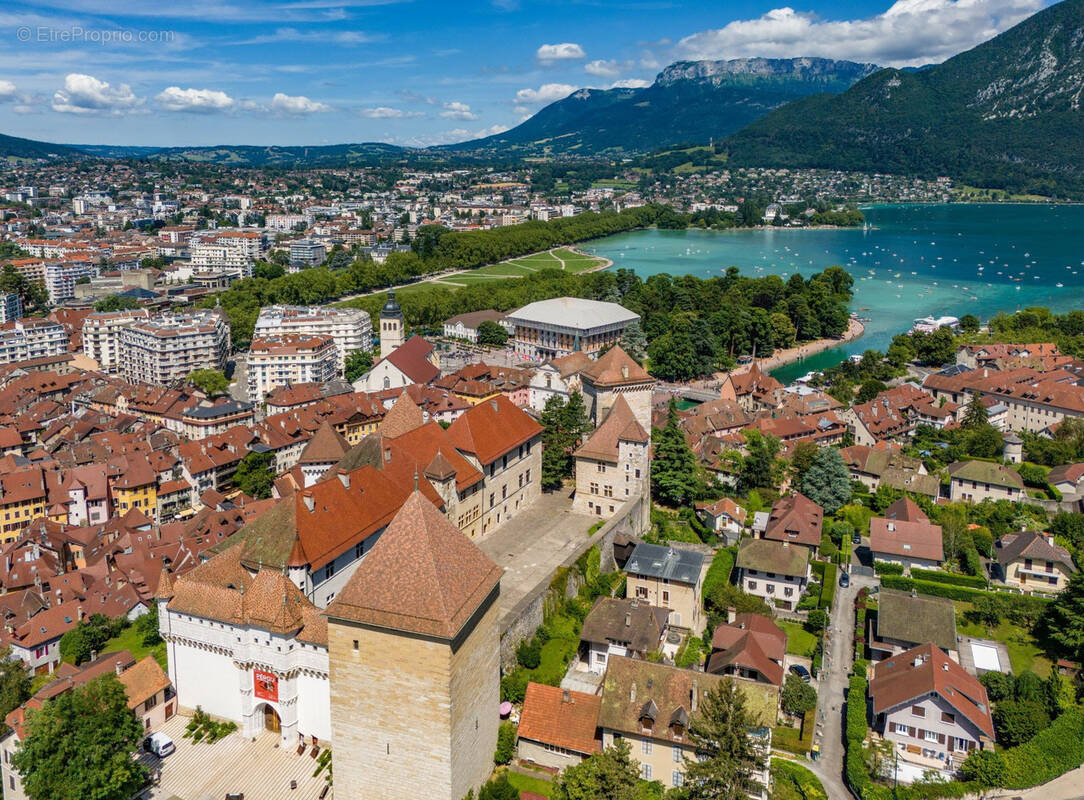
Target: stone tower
617	373
1013	448
391	326
414	654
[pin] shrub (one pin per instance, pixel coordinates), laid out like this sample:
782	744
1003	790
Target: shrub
719	571
798	697
514	686
985	767
1051	753
1019	721
529	653
888	568
506	743
828	588
971	581
816	621
690	652
1019	609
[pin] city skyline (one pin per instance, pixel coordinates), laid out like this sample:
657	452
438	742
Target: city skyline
407	73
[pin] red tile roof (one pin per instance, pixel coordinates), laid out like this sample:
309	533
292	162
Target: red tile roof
561	718
906	539
492	428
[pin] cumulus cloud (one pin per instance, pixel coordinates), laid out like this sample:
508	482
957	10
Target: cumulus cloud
200	101
8	91
298	105
85	94
604	69
630	83
386	112
566	51
457	111
546	93
909	33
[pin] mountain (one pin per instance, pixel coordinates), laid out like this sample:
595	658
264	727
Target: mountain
116	150
14	147
690	101
275	156
1004	114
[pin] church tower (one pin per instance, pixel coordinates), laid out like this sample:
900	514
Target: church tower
414	654
391	326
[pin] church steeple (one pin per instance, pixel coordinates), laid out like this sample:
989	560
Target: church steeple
391	326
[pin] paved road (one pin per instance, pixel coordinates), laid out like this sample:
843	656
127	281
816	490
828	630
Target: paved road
832	688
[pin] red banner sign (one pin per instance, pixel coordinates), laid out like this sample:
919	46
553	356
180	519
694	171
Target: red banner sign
265	685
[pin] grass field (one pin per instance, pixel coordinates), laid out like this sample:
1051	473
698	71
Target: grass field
1024	652
132	640
800	642
794	782
561	258
528	783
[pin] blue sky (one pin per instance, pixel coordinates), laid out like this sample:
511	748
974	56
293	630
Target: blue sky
411	72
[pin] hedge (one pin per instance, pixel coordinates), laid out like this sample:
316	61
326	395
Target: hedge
1024	603
888	568
1050	753
718	573
828	588
971	581
817	568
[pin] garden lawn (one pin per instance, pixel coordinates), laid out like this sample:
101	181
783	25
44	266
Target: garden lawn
528	783
131	640
800	642
1024	651
795	782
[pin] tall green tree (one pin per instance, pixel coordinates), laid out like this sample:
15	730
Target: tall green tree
827	482
609	775
1063	619
565	424
975	415
797	697
209	381
491	334
79	746
758	466
14	684
358	362
255	475
633	341
675	475
801	459
727	759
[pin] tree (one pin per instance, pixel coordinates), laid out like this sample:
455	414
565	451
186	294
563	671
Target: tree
827	481
675	475
870	388
975	415
491	334
255	475
80	745
506	743
14	685
727	759
609	775
969	323
758	467
1017	721
633	341
985	442
564	424
209	381
88	637
798	697
499	788
801	458
1063	619
984	767
116	302
358	362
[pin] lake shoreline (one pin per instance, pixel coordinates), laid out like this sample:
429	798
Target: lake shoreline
855	329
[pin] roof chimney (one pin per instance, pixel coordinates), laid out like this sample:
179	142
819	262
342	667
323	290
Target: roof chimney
628	619
119	667
566	696
624	370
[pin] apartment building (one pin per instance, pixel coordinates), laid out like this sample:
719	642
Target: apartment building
288	358
25	339
101	335
351	328
670	579
306	253
11	307
61	277
167	348
227	250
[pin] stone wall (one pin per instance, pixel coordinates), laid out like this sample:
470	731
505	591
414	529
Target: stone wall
522	620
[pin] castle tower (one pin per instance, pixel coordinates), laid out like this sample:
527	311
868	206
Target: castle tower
414	655
391	326
617	373
1013	448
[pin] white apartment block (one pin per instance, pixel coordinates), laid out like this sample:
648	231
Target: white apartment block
61	277
351	328
164	349
101	335
32	338
11	307
227	250
275	361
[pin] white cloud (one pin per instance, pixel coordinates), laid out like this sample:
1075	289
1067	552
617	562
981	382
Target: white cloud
295	35
566	51
386	112
7	91
630	83
910	32
201	101
85	94
297	105
546	93
604	69
457	111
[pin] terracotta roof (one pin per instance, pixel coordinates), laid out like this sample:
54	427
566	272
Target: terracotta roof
615	367
906	510
1067	473
795	519
492	428
422	576
143	680
752	641
326	446
723	506
562	718
412	359
403	417
927	669
619	426
906	539
439	468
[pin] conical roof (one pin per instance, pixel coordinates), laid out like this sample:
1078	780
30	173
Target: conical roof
440	468
403	417
423	576
326	446
615	367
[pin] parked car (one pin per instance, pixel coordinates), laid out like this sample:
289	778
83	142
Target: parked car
856	538
801	672
159	744
844	580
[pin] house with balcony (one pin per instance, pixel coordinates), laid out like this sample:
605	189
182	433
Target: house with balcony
668	578
775	571
1032	561
975	481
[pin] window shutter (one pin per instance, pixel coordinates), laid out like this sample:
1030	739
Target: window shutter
941	738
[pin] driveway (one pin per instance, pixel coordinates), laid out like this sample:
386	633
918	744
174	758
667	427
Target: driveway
832	688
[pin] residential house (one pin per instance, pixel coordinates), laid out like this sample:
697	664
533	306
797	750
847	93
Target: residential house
885	464
557	727
797	520
775	571
975	481
614	464
933	712
621	627
652	705
724	517
1032	561
1068	479
907	619
670	578
911	544
749	646
753	389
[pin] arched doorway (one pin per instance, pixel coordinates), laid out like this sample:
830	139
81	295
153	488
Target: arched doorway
271	721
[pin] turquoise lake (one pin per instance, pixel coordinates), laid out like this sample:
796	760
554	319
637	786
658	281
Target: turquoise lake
912	261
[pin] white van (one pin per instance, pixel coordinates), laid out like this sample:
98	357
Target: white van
159	744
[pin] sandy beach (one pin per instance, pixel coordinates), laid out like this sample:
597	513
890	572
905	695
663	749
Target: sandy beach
855	328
